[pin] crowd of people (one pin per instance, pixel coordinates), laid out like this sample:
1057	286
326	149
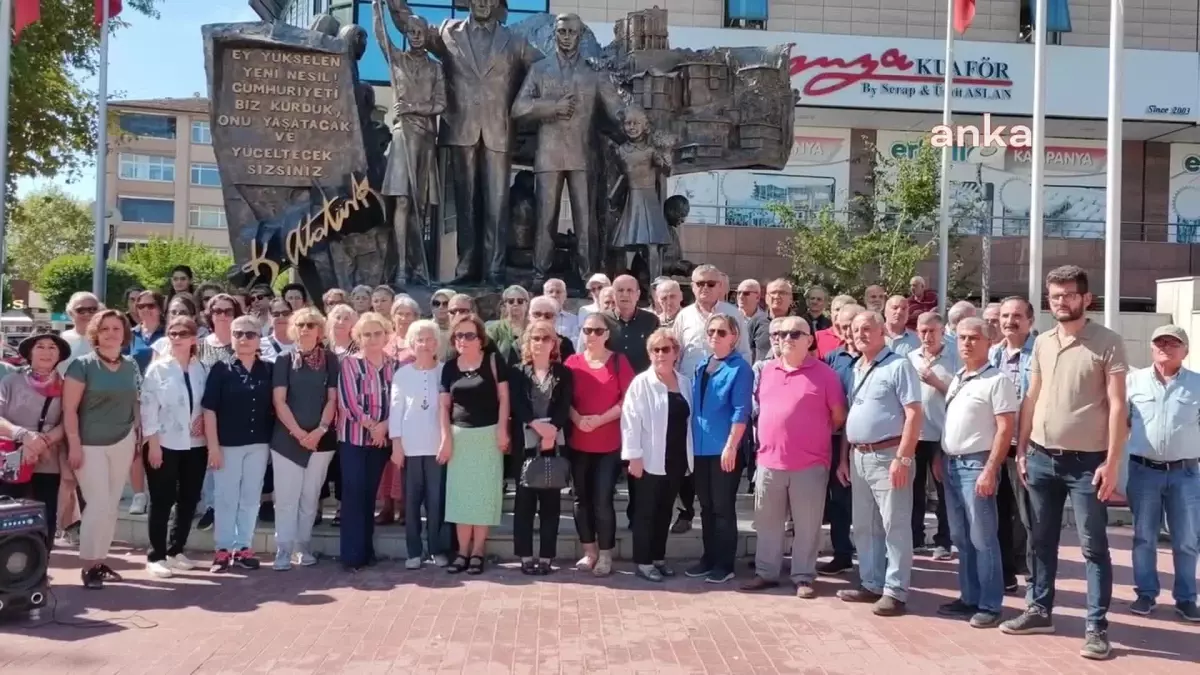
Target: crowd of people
241	407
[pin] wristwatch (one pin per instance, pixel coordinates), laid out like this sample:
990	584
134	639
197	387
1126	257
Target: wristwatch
905	461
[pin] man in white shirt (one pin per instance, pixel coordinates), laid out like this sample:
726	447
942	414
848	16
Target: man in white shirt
981	411
749	293
692	321
936	362
566	323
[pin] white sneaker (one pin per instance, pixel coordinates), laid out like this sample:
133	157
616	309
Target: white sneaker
137	507
441	560
181	562
412	564
159	569
304	559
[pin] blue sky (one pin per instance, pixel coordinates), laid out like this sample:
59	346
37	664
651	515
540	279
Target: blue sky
157	58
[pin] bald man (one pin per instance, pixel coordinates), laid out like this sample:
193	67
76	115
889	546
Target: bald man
631	325
920	300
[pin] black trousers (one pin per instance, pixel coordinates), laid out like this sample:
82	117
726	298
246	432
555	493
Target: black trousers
334	476
632	485
717	490
656	497
1014	541
839	509
177	483
595	475
42	487
926	451
547	506
687	497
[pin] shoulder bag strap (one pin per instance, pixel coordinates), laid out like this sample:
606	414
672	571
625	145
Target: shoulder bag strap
45	412
865	377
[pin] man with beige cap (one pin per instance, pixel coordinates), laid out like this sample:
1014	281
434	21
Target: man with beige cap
1164	457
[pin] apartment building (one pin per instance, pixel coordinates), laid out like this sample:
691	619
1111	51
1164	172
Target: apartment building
162	174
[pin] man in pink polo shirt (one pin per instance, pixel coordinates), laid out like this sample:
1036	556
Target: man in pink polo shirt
800	403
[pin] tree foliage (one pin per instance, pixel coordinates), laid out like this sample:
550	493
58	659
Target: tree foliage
69	274
45	225
156	258
52	114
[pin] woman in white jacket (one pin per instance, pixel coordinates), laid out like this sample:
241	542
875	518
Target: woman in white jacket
177	458
656	439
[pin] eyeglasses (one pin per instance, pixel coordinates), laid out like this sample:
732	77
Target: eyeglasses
788	334
705	284
466	337
179	311
742	294
719	332
460	310
307	325
245	335
594	331
147	305
662	350
259	296
539	338
179	334
87	310
221	311
281	315
437	303
514	301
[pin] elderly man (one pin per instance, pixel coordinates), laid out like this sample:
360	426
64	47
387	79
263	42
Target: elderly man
630	326
1164	457
875	298
981	410
1012	357
936	363
882	428
896	332
779	304
749	293
991	317
565	323
545	308
838	505
670	301
815	301
958	311
830	339
920	300
1074	422
595	284
800	403
692	322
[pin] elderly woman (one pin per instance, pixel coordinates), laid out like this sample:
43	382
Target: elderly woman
31	416
546	308
81	307
182	305
458	307
280	342
607	300
102	420
334	297
222	310
364	397
391	487
305	395
360	299
150	329
416	433
381	299
339	324
505	333
474	407
541	407
600	378
722	388
439	307
175	457
404	312
238	420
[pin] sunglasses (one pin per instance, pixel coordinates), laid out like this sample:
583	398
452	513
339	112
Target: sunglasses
460	310
245	334
466	337
308	325
147	305
719	332
539	338
259	296
437	303
281	315
514	301
549	316
742	294
705	284
595	331
86	310
179	335
179	311
789	334
221	311
662	350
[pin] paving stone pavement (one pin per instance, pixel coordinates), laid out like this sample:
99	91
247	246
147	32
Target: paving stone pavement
388	620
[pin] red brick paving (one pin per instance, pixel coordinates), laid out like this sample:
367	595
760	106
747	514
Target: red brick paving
388	620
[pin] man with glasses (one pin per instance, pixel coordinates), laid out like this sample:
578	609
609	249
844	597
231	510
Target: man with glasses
260	305
278	343
779	304
800	403
565	323
749	293
1074	422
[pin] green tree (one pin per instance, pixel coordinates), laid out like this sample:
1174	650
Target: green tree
45	225
157	257
72	273
52	113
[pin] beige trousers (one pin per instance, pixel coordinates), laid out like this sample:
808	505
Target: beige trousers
102	480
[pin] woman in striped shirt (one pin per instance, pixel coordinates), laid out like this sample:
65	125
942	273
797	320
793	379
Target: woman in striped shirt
364	392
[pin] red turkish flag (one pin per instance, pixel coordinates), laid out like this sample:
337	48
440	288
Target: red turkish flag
114	8
25	13
964	14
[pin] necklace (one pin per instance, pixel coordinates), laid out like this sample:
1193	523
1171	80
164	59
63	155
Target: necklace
111	362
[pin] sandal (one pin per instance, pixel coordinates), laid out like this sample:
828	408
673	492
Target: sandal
543	568
459	564
475	565
528	567
107	574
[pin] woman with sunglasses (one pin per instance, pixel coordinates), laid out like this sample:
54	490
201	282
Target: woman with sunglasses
474	405
176	457
541	402
722	388
304	391
238	421
546	308
656	440
280	343
339	327
102	420
183	304
459	306
439	306
364	400
600	378
81	308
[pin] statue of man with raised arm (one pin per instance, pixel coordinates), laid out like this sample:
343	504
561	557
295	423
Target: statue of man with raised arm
484	65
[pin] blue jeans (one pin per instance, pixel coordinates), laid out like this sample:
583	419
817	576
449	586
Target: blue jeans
362	469
425	486
1149	491
882	524
1051	480
237	492
974	529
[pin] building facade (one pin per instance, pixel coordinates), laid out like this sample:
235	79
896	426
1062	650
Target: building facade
162	175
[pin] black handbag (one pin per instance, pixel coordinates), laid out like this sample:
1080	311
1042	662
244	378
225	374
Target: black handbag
545	472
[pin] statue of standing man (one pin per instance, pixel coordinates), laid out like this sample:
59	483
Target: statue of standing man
484	64
563	94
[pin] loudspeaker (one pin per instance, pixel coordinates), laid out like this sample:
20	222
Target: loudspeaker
24	556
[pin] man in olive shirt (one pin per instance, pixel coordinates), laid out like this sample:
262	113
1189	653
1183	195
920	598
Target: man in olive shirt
1074	423
629	325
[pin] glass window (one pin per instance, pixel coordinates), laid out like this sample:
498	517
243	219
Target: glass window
746	14
206	217
201	133
148	126
124	246
146	167
205	175
146	210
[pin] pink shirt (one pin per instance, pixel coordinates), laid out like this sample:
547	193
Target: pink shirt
795	415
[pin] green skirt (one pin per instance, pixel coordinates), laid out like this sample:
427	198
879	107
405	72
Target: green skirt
474	478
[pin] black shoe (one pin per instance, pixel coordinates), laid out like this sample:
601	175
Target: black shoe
1142	606
1033	622
92	579
206	521
1188	611
681	525
835	567
957	609
1096	645
246	559
982	619
698	570
1010	585
266	512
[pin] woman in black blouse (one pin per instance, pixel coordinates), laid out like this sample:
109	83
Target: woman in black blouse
541	399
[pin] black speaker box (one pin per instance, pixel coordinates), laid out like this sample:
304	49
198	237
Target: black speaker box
24	556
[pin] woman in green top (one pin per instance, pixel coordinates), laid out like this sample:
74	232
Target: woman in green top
102	419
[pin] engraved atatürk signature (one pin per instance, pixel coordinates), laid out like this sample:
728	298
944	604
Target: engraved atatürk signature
315	229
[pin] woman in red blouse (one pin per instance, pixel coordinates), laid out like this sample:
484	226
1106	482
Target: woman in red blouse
599	380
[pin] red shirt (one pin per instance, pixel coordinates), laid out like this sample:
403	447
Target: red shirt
593	392
918	306
827	341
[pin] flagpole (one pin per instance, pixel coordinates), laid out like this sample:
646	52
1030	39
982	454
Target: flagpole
1037	179
6	11
99	269
1112	206
944	203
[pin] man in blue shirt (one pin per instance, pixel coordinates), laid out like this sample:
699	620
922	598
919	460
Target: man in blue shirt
1164	456
837	497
